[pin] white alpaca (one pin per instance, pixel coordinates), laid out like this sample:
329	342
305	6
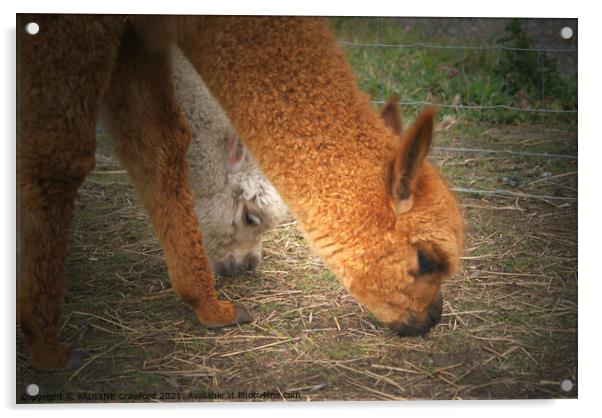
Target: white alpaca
234	202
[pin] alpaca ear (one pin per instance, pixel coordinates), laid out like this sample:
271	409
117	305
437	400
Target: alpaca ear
235	152
414	147
390	114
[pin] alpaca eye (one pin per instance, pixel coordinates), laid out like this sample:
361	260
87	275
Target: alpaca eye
427	265
251	219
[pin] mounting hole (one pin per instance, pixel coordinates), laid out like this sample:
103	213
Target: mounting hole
32	389
32	28
566	32
566	385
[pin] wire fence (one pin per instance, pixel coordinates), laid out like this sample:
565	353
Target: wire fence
476	107
462	43
434	46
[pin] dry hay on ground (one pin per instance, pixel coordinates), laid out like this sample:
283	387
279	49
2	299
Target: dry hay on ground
509	328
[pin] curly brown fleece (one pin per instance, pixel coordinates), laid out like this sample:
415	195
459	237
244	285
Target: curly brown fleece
382	219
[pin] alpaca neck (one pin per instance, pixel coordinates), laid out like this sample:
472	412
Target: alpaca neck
291	96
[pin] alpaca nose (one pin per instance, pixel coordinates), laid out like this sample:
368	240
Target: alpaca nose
231	267
251	261
226	267
413	327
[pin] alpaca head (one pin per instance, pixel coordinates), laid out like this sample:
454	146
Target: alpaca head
422	236
234	219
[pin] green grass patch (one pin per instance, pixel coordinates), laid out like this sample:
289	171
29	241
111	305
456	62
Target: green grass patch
319	280
471	77
342	350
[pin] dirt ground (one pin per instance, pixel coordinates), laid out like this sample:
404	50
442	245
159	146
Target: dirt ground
509	326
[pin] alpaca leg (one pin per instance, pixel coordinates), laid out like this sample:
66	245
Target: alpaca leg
55	152
45	207
152	138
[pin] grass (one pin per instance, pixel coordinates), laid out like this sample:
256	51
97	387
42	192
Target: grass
523	79
509	326
508	329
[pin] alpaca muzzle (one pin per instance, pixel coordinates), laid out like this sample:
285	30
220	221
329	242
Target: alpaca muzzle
232	267
412	326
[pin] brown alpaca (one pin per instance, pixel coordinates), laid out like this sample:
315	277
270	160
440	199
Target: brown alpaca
380	217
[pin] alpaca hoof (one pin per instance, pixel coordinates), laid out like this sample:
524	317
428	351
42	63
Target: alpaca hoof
76	359
242	315
72	360
235	314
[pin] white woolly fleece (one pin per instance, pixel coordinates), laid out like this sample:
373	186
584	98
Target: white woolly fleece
219	194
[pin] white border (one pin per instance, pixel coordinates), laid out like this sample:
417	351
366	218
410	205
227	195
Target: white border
589	188
459	8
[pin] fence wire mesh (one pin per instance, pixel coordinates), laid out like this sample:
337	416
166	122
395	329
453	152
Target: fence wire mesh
513	79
